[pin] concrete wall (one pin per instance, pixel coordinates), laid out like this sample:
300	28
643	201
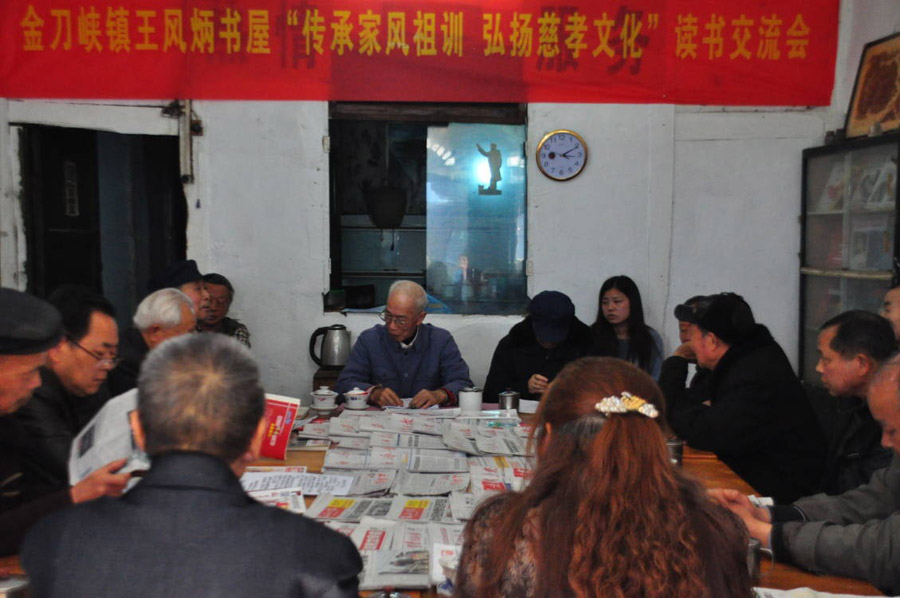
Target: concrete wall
685	200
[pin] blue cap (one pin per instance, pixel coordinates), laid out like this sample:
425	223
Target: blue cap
551	315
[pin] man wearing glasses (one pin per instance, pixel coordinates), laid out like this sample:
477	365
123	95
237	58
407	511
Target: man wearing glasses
72	389
29	328
405	358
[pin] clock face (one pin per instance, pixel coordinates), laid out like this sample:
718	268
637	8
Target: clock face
561	154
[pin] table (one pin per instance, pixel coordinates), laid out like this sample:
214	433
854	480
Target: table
715	474
708	469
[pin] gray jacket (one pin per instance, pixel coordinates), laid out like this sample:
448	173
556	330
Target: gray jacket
855	534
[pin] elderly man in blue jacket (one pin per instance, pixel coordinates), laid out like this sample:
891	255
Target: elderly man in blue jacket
404	357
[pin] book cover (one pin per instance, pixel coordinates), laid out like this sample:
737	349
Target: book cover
279	415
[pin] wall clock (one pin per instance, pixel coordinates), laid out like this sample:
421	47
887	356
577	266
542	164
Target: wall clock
561	154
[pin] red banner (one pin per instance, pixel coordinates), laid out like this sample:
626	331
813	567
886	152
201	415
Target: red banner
741	52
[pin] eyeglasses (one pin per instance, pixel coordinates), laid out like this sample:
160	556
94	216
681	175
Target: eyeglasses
388	317
101	359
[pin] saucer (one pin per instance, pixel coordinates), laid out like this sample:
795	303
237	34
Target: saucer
324	411
355	406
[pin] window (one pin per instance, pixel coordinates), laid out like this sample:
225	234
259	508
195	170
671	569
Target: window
431	193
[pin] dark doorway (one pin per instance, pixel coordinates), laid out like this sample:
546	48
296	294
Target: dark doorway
100	209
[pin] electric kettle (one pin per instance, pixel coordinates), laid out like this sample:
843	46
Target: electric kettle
335	346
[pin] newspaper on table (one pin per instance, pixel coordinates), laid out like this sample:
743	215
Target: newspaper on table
341	458
352	442
345	528
313	429
308	444
496	473
432	411
394	439
484	484
345	426
429	483
461	426
463	504
437	461
456	439
374	424
276	469
395	554
420	441
500	442
402	423
371	481
107	437
386	439
428	425
309	483
422	509
385	457
290	500
348	508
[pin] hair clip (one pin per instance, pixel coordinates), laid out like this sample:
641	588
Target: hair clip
625	403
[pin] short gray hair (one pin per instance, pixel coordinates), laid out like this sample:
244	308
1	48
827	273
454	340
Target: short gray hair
410	289
200	392
162	308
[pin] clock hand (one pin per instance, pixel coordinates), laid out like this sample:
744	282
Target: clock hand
566	155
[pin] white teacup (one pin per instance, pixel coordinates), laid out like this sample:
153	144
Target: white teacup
356	399
324	398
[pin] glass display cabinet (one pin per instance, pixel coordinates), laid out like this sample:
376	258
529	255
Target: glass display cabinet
849	244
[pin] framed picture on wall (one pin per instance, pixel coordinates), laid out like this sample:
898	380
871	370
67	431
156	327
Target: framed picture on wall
876	92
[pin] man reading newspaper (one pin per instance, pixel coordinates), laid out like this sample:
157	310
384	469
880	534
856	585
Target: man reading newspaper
188	528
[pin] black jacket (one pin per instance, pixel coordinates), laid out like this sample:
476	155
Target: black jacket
132	351
758	420
52	419
187	529
854	446
18	511
519	355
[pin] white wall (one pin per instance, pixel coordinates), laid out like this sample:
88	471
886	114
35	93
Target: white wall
685	201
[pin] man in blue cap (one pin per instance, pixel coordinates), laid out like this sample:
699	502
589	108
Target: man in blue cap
29	328
534	351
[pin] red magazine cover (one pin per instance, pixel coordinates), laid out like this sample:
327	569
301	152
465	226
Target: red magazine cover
280	414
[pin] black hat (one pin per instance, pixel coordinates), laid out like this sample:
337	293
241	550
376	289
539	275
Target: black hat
28	325
726	315
177	274
551	315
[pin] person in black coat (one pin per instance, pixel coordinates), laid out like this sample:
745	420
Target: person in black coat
188	528
29	328
852	346
754	414
537	348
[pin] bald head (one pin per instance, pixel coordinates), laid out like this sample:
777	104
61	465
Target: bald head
411	291
884	402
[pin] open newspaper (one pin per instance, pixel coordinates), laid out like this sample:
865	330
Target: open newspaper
107	437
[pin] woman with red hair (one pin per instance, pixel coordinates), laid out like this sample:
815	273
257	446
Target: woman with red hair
606	513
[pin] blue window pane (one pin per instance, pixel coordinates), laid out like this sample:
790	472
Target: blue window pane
475	195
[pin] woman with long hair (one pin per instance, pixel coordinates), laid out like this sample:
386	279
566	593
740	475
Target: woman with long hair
606	513
620	331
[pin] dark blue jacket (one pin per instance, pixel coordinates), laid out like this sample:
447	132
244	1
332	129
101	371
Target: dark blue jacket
432	362
187	530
